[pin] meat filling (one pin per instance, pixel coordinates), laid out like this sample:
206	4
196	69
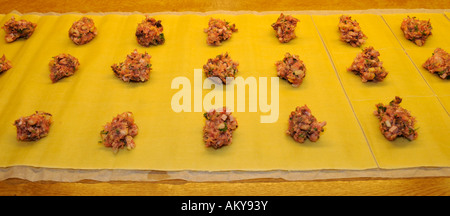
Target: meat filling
292	69
83	31
219	31
219	127
120	132
18	29
285	28
416	30
439	63
368	66
351	31
303	125
395	121
135	68
62	65
33	127
150	32
221	67
5	64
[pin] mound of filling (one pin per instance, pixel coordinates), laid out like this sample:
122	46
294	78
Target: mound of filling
439	63
219	127
18	29
395	121
219	31
135	68
416	30
33	127
83	31
368	66
62	65
5	64
351	31
120	132
150	32
285	28
292	69
303	125
222	66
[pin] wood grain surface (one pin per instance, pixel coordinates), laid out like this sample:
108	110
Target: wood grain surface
61	6
261	187
435	186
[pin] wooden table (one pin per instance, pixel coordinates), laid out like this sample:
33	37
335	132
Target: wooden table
431	186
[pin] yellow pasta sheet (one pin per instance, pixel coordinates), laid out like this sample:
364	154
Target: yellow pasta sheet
169	140
439	38
406	79
439	23
429	149
419	55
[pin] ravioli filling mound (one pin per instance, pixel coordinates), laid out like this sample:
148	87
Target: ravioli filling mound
150	32
120	132
303	125
292	69
368	66
83	31
18	29
439	63
416	30
219	127
219	31
5	64
220	67
62	65
285	28
135	68
351	31
33	127
395	121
